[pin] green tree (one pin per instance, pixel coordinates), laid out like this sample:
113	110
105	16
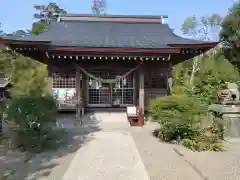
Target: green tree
205	28
45	15
48	13
181	73
230	35
215	71
21	33
1	31
99	7
5	62
27	76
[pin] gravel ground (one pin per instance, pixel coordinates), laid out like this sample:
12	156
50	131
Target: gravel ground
183	163
160	160
216	165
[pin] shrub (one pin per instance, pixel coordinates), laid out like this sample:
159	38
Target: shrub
2	107
178	116
33	115
181	118
8	175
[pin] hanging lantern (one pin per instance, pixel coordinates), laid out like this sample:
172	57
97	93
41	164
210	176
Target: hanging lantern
97	85
100	84
119	85
90	82
124	81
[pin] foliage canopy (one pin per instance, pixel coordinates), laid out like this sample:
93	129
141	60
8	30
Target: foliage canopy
33	116
230	35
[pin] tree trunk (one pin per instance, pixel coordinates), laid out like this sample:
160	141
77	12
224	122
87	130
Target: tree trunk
191	81
195	68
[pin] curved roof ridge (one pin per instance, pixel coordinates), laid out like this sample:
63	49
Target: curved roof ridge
44	36
114	16
185	38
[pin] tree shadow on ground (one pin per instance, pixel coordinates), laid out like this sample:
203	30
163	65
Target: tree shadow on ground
52	164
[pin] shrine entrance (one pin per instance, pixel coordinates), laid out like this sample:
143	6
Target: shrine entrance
120	93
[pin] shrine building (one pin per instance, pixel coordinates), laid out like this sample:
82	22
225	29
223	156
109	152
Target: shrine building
108	61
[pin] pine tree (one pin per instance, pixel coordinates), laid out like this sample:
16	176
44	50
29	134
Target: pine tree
230	35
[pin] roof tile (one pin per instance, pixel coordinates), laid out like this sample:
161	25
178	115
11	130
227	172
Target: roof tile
110	34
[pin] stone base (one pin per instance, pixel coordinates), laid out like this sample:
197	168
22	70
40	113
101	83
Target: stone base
231	125
231	118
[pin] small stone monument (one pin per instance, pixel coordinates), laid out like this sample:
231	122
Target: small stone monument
228	108
229	95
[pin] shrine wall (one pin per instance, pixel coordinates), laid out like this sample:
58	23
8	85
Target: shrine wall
64	85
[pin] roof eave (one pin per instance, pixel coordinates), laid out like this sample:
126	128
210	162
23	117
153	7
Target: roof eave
8	41
207	45
114	16
117	50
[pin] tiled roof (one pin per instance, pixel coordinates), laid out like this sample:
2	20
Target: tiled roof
110	34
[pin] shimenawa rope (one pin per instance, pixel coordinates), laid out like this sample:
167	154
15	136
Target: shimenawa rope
110	81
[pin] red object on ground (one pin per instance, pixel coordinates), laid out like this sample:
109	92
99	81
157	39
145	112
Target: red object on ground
137	120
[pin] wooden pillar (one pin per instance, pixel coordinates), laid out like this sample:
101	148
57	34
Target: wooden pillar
83	89
79	96
141	91
86	85
134	89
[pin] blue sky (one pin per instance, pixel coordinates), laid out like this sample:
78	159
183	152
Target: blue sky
15	15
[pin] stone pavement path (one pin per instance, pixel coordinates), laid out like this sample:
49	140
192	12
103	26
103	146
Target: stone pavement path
111	154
